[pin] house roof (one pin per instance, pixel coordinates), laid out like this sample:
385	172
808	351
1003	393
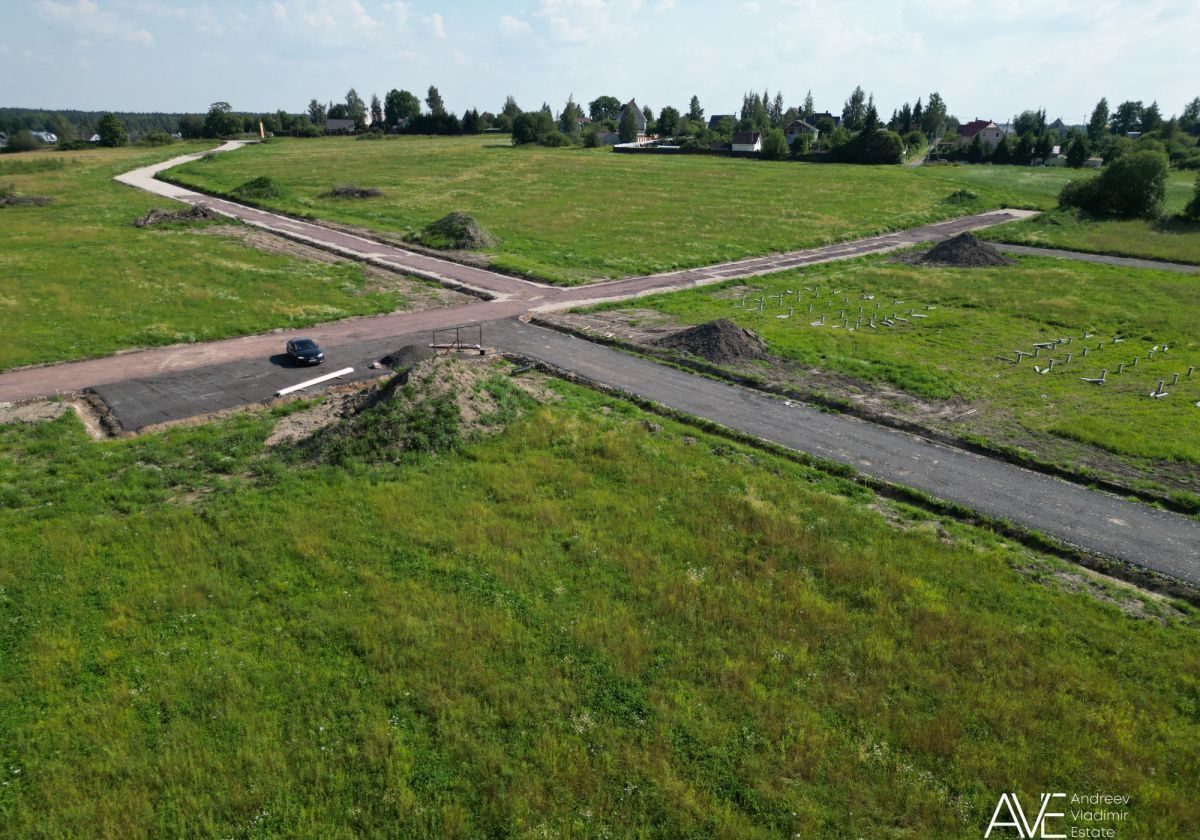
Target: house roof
745	138
716	118
337	124
802	125
974	127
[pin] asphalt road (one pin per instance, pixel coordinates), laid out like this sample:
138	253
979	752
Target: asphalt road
1082	518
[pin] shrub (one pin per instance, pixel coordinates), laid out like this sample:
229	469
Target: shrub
531	127
962	197
157	138
774	145
374	134
1133	186
23	141
73	146
591	139
260	187
871	147
456	231
801	144
556	140
914	139
1192	211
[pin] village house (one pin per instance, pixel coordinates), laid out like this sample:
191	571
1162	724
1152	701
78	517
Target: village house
989	133
640	119
335	126
797	128
747	141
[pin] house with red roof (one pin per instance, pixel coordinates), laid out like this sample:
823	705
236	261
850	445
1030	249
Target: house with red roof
989	133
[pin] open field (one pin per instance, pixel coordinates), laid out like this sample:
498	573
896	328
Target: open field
586	626
81	281
573	216
942	369
1171	238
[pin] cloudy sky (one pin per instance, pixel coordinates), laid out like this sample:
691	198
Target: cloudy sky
988	59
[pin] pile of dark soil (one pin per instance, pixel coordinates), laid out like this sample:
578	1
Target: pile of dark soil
965	251
353	191
720	341
260	187
197	213
9	198
23	200
407	356
458	232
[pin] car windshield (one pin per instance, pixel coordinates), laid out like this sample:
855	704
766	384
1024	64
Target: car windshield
304	344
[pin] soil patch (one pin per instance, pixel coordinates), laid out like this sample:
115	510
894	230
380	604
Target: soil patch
457	232
196	213
408	356
720	341
353	191
965	251
24	200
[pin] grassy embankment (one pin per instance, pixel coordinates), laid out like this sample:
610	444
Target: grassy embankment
572	216
583	627
80	280
982	313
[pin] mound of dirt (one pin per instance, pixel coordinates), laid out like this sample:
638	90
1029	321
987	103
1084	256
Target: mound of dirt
260	187
24	200
198	213
965	251
720	341
407	356
457	231
353	191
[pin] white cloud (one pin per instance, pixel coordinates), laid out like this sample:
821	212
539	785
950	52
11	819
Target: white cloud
91	23
510	25
437	25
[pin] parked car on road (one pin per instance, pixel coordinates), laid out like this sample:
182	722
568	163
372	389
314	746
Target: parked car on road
305	351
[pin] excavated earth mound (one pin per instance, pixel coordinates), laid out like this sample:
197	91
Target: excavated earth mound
720	341
353	191
407	356
965	251
198	213
458	232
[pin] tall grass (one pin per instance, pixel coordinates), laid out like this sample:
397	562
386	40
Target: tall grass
586	626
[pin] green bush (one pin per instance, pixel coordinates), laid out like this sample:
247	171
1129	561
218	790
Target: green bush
591	139
23	141
73	146
914	139
774	145
1192	211
556	140
157	138
871	148
1133	186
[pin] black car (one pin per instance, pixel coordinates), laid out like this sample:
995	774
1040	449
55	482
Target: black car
305	351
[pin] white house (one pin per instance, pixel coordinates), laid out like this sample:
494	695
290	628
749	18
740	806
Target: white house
747	141
46	136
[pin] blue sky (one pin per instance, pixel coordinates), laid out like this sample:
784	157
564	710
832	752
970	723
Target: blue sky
988	59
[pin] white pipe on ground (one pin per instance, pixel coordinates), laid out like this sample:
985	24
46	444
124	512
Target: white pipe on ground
301	386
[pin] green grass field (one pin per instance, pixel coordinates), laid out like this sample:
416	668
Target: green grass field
982	313
1170	238
573	215
80	280
583	627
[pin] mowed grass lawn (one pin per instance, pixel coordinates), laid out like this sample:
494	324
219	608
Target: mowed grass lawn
575	215
585	627
985	312
79	280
